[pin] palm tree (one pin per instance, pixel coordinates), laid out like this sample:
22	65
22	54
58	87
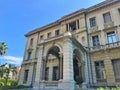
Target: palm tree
3	48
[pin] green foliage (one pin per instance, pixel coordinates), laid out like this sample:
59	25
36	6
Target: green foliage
107	88
77	89
11	84
3	48
15	87
2	71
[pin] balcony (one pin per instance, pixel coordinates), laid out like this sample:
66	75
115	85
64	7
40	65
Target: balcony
29	61
108	25
30	48
50	39
93	29
107	46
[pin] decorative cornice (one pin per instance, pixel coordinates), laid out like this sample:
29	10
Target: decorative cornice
76	13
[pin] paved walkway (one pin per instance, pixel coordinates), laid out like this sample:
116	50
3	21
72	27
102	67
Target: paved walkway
51	89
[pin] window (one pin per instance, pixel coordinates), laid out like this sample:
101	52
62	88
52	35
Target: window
31	41
100	71
78	24
41	38
119	10
116	68
49	35
107	17
95	40
72	26
25	76
47	73
92	22
111	37
55	73
29	55
57	32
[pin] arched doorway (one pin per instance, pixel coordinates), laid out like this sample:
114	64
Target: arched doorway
52	68
78	67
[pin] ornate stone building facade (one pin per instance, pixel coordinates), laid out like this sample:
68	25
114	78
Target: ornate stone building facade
83	45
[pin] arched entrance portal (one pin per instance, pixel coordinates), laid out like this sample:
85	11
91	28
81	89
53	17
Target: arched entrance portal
52	68
78	67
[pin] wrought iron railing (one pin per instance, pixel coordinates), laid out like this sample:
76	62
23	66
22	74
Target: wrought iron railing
107	46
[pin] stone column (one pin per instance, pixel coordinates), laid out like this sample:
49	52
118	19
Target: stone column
81	70
109	70
21	75
86	70
68	78
61	66
44	67
76	25
68	27
50	72
29	81
39	68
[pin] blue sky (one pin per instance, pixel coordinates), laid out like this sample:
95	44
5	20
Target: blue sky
17	17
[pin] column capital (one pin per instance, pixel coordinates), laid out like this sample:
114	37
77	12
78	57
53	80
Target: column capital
44	58
67	39
60	54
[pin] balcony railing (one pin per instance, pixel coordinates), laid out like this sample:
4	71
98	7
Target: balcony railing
30	47
108	25
93	29
107	46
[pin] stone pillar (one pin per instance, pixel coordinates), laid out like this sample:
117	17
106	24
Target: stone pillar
76	25
81	70
94	71
68	82
109	71
39	68
44	67
61	66
21	76
68	27
50	72
86	70
29	81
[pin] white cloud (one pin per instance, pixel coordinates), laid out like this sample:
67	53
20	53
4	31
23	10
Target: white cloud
11	59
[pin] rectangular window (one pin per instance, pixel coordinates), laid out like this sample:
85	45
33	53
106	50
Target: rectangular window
92	22
25	76
57	32
72	26
100	71
55	73
49	35
119	10
78	24
31	41
42	38
107	17
29	55
111	36
95	40
47	73
116	68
